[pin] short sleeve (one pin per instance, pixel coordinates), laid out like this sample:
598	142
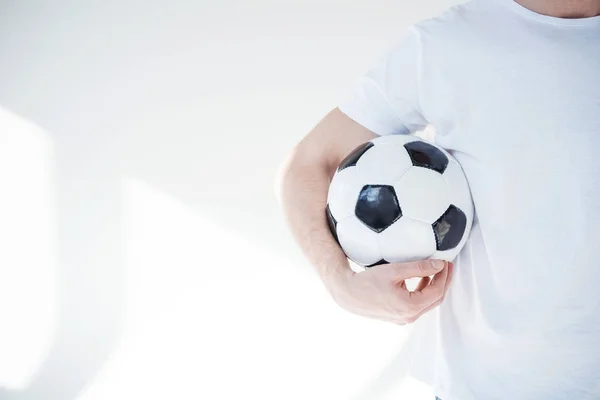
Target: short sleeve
386	99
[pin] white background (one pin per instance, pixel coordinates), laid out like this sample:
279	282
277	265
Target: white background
142	254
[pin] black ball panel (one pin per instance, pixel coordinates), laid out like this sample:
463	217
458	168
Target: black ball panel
425	155
332	223
352	158
381	262
450	228
377	207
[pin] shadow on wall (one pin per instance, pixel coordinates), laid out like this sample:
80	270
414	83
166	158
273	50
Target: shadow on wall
90	259
118	93
88	204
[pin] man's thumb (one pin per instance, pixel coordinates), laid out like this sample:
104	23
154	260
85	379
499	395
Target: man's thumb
420	268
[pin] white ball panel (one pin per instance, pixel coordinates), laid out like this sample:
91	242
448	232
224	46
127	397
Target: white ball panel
343	193
359	242
460	194
423	194
407	240
394	140
383	164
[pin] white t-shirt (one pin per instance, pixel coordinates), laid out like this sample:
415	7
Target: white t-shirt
514	96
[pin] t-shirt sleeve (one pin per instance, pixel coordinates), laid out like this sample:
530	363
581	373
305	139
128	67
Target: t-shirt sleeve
386	99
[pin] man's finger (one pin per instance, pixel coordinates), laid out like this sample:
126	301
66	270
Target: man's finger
446	286
415	269
438	282
429	308
422	284
431	293
440	301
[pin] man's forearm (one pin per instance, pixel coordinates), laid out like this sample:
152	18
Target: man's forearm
303	195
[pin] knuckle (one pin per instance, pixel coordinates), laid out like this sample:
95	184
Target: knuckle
437	303
440	289
412	311
441	299
415	295
424	266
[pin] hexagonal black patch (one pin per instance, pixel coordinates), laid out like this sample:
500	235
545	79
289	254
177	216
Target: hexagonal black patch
352	158
381	262
450	228
425	155
332	223
377	207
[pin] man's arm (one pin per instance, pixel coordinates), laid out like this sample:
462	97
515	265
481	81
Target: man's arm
303	185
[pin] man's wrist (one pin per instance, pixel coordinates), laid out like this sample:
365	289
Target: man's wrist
335	276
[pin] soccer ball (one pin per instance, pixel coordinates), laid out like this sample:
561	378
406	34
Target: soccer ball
399	198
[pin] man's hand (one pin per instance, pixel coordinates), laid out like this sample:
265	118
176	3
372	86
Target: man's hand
381	293
302	188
